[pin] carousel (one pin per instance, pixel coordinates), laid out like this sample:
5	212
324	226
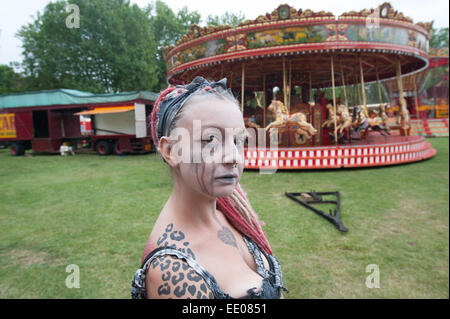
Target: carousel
301	79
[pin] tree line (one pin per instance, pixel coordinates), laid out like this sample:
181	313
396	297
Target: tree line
116	46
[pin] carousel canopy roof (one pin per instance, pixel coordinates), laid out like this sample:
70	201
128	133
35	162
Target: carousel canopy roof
302	42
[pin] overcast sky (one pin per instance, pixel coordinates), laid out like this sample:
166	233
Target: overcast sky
15	13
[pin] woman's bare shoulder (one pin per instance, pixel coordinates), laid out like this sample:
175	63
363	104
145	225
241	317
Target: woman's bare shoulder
171	277
172	235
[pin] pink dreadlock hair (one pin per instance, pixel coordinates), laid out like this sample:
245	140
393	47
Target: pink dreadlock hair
236	207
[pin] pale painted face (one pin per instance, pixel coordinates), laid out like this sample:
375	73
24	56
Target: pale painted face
216	143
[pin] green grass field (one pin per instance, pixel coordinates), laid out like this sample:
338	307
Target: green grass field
97	212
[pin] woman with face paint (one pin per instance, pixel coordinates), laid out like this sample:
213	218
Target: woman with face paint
207	241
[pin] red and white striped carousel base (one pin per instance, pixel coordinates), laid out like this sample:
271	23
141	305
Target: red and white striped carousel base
375	151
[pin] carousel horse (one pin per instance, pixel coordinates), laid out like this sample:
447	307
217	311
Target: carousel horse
345	120
332	117
361	122
283	118
342	118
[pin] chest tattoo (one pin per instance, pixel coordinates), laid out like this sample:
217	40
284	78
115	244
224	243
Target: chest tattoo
225	234
227	237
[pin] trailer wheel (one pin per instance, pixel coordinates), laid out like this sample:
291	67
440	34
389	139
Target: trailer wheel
17	149
103	148
116	148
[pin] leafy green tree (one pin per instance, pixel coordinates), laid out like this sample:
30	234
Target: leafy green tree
437	77
9	80
439	38
229	18
167	28
112	50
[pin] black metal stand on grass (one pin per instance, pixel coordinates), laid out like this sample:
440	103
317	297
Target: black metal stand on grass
309	198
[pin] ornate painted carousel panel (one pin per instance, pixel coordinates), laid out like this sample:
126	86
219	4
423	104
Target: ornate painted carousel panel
281	64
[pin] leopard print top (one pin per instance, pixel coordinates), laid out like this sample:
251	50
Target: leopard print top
272	283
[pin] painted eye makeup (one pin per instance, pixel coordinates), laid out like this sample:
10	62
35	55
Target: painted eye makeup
239	140
209	139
